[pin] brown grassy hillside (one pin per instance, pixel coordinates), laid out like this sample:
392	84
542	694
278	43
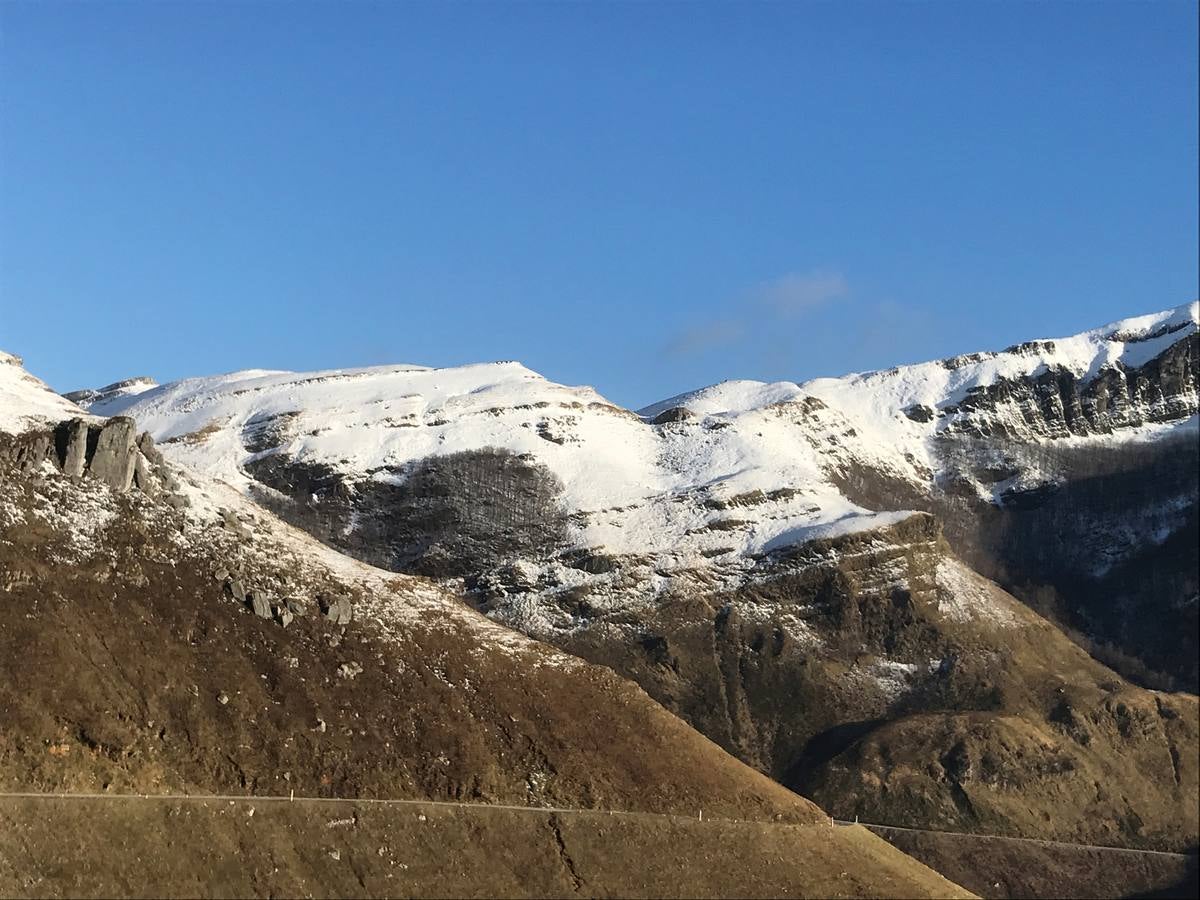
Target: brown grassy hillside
127	666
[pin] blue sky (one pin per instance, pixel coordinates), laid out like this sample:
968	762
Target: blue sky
642	197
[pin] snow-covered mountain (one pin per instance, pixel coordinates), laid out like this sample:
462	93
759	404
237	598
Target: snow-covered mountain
631	486
26	400
761	559
183	641
660	485
562	510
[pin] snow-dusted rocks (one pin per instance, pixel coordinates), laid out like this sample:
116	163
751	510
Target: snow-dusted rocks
75	458
85	399
338	608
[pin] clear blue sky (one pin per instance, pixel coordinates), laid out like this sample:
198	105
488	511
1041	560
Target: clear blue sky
642	197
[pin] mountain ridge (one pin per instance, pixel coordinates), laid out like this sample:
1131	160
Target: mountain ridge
770	570
630	486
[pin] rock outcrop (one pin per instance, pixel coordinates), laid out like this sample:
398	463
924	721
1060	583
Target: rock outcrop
115	456
1057	402
75	457
109	451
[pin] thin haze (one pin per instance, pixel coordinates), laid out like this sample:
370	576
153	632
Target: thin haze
642	197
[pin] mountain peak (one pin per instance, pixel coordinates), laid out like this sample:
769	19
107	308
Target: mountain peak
26	400
129	387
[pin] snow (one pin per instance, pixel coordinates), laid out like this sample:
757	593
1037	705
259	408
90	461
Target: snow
25	401
626	477
847	524
728	397
964	596
129	387
752	471
865	412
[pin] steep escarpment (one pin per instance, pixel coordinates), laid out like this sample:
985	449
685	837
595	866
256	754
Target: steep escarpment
1106	546
1155	381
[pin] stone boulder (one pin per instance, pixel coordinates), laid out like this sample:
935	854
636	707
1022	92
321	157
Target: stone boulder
146	445
337	609
261	605
143	476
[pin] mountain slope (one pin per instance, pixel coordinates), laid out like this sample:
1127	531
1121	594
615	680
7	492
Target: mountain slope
182	640
632	487
754	556
601	501
26	400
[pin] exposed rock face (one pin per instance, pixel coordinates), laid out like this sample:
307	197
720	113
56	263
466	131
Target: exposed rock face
27	451
143	476
1058	403
674	414
146	445
75	458
115	456
108	451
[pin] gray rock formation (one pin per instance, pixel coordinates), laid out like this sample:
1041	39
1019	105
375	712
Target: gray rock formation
146	445
106	452
337	609
674	414
144	477
261	605
238	590
115	456
75	457
28	451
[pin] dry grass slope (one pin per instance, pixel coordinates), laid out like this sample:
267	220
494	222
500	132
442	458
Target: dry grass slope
253	849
